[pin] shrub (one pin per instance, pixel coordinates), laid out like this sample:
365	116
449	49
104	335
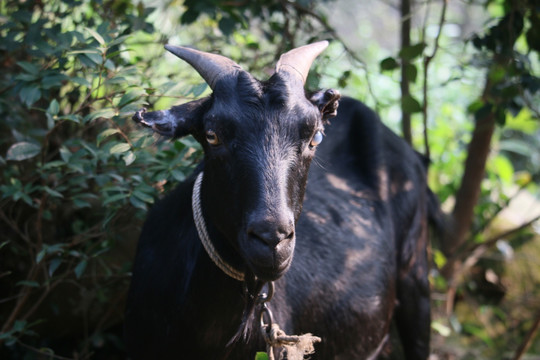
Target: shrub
76	180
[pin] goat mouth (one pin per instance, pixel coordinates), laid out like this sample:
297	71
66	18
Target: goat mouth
270	273
269	264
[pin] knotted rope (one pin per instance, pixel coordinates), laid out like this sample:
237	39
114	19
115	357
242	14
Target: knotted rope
203	233
290	347
295	347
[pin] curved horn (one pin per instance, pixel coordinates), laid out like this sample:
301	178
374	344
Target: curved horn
210	66
299	60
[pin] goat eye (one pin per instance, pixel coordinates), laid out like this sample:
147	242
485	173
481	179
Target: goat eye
317	139
212	138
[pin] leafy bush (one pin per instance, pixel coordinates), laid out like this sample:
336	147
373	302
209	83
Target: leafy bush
76	179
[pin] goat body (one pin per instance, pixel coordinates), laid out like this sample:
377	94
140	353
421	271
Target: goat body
359	250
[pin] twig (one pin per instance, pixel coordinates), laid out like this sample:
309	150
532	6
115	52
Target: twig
528	339
40	351
475	252
427	61
14	227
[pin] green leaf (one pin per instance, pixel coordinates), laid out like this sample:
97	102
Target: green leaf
53	265
410	52
103	113
128	98
143	196
95	58
129	158
120	148
198	89
53	108
483	111
114	198
2	244
137	203
106	133
389	64
227	25
65	154
40	255
29	67
261	356
411	72
53	80
504	169
52	192
442	329
28	283
71	117
96	36
29	95
78	203
81	81
22	150
79	269
19	325
410	105
119	40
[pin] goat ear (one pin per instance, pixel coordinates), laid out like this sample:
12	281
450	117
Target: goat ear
327	101
176	122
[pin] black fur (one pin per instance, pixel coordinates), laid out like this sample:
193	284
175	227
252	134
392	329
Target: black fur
359	245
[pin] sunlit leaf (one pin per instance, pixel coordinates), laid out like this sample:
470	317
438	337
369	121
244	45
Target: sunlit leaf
261	356
53	108
120	148
129	158
96	36
503	168
106	133
128	98
22	150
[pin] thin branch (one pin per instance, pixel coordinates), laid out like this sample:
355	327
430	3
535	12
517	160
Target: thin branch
493	240
528	339
427	61
45	353
475	253
14	227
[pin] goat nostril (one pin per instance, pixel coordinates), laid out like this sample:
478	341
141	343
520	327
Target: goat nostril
270	237
289	236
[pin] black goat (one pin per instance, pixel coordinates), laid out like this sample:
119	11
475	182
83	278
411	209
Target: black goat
359	246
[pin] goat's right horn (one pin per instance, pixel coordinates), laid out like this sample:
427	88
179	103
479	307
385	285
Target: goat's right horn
210	66
298	61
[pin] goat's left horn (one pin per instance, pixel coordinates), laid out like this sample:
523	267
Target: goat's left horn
210	66
298	61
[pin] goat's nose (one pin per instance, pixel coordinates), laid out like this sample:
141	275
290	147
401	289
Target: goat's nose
271	232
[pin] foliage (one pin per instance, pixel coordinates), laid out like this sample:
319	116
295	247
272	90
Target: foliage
77	177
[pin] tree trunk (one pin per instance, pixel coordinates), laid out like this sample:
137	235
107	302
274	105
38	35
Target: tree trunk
405	91
469	192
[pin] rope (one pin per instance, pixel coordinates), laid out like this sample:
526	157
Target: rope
203	233
295	346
